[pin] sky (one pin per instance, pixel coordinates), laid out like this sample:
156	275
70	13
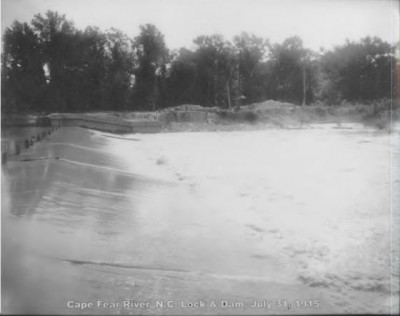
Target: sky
320	23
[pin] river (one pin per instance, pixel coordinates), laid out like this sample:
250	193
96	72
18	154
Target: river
276	221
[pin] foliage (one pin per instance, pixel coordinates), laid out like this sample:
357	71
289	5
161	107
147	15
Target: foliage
291	68
50	66
252	54
359	71
22	74
150	73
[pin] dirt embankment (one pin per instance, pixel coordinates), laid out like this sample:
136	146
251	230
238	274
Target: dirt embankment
267	114
274	114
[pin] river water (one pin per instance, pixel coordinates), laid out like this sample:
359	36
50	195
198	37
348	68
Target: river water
275	221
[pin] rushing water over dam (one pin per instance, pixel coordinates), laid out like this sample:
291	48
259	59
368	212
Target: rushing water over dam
161	224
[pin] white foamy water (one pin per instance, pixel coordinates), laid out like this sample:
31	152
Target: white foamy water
308	205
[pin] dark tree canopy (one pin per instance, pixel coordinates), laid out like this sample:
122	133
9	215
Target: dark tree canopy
50	66
150	74
361	70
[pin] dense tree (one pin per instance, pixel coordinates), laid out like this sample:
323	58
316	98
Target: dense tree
359	71
182	78
118	71
251	52
49	65
290	66
56	37
152	57
215	65
93	80
23	80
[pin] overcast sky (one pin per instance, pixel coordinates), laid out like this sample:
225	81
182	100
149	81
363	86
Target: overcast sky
320	23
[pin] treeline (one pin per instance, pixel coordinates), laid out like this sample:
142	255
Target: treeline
50	66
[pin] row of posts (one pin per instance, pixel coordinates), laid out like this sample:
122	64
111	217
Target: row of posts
29	142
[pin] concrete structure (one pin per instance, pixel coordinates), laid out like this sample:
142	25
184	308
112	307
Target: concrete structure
12	145
37	128
106	124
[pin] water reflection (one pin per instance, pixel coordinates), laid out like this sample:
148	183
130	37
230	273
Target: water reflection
55	210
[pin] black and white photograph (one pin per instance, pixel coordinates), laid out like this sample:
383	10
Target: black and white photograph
200	157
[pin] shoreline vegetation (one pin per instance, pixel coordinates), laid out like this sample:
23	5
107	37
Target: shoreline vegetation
272	114
50	66
264	115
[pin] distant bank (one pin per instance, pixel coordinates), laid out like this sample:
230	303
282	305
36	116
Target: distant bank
20	132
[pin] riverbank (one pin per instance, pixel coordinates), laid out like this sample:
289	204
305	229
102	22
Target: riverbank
264	115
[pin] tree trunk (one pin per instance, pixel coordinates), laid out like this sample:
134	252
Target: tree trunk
304	85
215	82
228	93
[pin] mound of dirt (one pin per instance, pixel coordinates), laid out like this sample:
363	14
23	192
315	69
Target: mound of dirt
188	107
269	104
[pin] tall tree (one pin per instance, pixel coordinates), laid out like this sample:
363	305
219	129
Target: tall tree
361	70
119	70
49	65
23	80
290	67
56	39
152	57
215	61
252	53
93	71
182	78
